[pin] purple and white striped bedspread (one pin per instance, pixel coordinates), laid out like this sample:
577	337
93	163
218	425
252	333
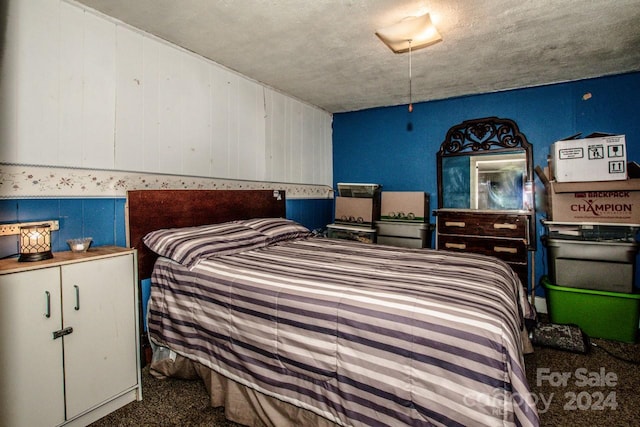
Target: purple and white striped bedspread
364	335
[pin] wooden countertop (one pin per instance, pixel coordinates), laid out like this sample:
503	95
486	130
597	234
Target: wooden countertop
11	265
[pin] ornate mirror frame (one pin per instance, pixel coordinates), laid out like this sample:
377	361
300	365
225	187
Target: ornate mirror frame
488	136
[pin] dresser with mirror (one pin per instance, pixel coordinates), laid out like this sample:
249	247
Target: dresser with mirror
485	192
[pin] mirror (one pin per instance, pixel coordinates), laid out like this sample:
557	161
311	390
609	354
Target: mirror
485	164
486	182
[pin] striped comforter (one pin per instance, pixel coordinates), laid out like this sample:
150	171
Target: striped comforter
363	335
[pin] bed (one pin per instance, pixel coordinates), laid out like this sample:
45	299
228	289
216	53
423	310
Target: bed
286	328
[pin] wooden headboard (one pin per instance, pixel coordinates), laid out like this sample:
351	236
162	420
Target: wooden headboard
148	210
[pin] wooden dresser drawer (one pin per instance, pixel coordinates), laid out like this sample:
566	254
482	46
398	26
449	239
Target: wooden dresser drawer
499	234
496	225
506	249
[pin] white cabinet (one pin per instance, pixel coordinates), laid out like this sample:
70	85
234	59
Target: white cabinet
68	337
31	361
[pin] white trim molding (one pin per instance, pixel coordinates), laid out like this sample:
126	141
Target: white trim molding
33	181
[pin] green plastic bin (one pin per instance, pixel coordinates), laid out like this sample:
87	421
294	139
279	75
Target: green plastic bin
600	314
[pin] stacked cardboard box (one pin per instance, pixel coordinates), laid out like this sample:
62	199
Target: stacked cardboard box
587	181
598	157
591	273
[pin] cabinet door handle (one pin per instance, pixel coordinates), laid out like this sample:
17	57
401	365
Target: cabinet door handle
460	224
455	246
505	226
505	250
47	312
77	306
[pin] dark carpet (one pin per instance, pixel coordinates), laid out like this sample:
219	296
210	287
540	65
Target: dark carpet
596	389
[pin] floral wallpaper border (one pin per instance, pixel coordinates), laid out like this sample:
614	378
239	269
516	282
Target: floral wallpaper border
29	181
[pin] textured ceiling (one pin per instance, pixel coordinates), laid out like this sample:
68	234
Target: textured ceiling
325	52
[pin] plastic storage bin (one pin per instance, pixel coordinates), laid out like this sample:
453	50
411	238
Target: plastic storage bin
600	314
597	265
360	234
404	234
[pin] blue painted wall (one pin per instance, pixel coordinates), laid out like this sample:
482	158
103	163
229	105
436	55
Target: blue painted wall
102	219
397	149
312	213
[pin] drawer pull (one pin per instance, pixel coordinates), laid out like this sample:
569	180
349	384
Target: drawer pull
505	250
455	224
505	226
455	246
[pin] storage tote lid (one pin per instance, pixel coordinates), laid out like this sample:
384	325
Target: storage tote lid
596	232
358	189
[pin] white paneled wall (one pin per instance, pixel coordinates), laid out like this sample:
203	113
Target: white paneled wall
82	90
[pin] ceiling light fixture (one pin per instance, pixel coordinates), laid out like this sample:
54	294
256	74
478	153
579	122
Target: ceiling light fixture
414	32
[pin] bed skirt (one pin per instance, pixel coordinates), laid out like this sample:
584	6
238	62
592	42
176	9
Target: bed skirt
242	404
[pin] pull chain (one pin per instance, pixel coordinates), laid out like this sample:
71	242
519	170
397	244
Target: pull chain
410	94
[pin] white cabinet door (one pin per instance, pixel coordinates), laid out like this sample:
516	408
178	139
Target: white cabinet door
32	387
100	358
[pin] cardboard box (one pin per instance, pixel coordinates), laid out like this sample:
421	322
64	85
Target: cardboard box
357	210
405	206
599	201
602	158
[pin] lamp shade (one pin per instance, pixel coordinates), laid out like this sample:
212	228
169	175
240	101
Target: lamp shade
415	32
35	242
